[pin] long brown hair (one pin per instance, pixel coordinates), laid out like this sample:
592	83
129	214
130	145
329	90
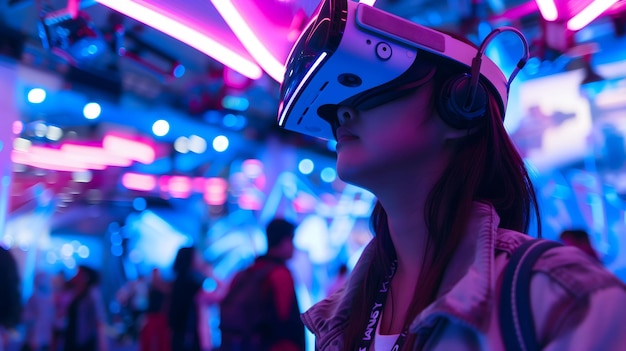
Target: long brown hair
486	168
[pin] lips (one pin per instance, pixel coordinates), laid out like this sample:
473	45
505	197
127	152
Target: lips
344	135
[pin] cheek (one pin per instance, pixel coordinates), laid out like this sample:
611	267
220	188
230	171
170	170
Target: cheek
400	136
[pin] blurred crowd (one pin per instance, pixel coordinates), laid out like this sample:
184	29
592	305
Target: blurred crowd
151	313
70	315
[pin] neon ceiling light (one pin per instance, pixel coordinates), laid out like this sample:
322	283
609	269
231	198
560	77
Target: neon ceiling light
215	192
250	41
132	149
185	34
95	154
143	182
179	187
578	21
548	9
589	13
52	159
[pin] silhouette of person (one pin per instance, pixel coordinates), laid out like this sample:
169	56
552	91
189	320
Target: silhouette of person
39	315
86	319
10	296
155	333
279	328
188	297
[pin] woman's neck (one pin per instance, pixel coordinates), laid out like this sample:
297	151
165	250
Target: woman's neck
408	232
404	202
409	235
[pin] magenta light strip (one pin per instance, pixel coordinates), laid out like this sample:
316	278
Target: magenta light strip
215	193
132	149
95	154
589	13
142	182
179	187
24	158
214	190
41	154
185	34
548	9
53	159
250	41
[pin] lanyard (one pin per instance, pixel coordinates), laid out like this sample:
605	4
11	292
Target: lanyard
377	308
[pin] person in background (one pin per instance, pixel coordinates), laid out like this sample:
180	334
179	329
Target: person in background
580	239
86	319
133	296
453	197
61	298
155	334
10	297
279	327
39	315
188	298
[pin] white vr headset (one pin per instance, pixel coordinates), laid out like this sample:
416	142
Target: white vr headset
354	54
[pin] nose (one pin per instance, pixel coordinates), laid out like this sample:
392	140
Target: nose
345	114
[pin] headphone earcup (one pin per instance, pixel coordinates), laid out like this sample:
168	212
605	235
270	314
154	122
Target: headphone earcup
453	100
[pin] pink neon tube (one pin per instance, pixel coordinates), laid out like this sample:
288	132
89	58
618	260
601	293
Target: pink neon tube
250	41
548	9
589	13
186	34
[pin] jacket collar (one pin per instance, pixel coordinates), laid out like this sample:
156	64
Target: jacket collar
468	300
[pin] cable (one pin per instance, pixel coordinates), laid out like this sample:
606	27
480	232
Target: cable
477	61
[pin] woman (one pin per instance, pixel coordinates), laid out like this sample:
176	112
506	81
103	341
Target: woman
453	202
155	334
86	316
39	315
188	299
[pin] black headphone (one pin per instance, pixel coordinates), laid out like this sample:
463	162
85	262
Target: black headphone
462	103
464	99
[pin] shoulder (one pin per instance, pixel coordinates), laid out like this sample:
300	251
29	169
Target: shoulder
279	274
577	273
577	301
572	269
568	292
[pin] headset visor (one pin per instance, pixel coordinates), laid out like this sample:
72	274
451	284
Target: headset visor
316	43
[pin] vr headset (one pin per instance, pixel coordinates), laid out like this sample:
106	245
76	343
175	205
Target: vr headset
357	55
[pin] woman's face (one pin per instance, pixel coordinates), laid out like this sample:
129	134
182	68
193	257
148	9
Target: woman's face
391	142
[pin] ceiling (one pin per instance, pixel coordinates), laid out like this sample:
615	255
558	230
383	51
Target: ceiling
137	72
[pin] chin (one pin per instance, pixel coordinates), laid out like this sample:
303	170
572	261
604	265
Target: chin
345	172
354	176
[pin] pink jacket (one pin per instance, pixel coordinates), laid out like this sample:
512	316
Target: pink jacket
576	303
